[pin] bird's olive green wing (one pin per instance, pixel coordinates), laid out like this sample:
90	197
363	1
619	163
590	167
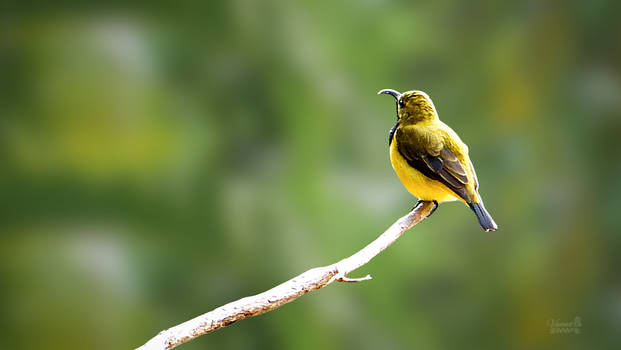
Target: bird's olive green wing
429	156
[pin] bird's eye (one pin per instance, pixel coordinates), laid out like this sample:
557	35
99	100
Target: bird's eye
401	103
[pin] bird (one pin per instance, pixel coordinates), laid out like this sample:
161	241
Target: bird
430	159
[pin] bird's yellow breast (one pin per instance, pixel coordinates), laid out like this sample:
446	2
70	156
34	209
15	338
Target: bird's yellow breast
415	182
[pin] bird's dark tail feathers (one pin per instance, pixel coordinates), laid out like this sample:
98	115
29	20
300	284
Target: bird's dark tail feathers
485	219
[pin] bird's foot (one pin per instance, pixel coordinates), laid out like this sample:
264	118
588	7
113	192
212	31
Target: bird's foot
435	206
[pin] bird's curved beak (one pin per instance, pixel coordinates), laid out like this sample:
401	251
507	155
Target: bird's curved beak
394	93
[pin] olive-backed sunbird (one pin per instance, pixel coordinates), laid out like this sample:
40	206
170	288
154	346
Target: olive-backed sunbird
430	159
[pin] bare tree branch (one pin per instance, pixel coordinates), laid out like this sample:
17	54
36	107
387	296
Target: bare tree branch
290	290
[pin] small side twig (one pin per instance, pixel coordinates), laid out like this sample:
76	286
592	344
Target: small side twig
290	290
354	280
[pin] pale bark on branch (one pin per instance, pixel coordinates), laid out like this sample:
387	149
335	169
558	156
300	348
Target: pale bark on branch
290	290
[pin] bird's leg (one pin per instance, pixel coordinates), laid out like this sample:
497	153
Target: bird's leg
435	206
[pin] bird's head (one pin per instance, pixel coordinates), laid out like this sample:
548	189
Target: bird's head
412	106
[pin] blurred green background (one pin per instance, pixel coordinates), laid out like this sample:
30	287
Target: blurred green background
156	166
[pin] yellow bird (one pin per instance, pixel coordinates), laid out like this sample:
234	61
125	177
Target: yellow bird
430	159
